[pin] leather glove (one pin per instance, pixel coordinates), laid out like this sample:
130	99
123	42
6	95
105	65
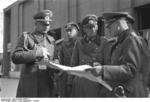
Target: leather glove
42	52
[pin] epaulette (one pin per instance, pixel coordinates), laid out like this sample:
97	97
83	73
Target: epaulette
137	38
111	40
134	34
59	41
51	39
26	33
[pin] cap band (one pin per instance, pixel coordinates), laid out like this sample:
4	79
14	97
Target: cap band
43	20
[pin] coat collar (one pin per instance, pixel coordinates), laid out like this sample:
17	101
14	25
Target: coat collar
70	42
48	37
123	35
95	39
39	33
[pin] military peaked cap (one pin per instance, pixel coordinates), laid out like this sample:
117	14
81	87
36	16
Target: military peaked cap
44	16
70	25
89	19
112	16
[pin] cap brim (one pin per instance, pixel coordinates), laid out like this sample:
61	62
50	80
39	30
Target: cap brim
110	20
131	19
89	25
44	20
68	28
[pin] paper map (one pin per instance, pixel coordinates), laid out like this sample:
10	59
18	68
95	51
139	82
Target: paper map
79	71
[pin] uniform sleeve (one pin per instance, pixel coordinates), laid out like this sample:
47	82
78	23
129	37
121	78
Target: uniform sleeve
130	62
56	52
22	55
100	56
75	55
61	55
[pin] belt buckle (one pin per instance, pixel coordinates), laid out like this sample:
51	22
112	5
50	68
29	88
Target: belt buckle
42	67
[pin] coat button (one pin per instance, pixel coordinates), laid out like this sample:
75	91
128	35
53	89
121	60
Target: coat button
82	60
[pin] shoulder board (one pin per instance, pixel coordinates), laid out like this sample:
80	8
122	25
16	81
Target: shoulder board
59	41
50	39
138	38
134	34
26	33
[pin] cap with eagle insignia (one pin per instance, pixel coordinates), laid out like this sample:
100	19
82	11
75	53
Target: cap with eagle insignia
44	16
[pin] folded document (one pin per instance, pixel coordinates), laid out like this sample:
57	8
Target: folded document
79	71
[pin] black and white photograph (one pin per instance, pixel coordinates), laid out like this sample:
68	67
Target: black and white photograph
97	49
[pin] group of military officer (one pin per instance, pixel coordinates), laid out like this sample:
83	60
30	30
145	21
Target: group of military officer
121	58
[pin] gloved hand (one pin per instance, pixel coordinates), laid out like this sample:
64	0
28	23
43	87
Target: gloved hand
42	52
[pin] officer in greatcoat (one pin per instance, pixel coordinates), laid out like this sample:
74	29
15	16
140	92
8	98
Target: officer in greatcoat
65	53
86	51
35	80
128	64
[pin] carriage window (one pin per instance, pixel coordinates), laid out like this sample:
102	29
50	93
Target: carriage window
143	16
56	33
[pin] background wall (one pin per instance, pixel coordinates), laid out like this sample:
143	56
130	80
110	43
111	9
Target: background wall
19	16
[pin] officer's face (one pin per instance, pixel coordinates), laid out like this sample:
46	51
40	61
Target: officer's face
90	30
72	32
112	29
42	27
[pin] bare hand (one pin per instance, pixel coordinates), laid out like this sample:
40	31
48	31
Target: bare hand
56	61
43	62
96	64
96	71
